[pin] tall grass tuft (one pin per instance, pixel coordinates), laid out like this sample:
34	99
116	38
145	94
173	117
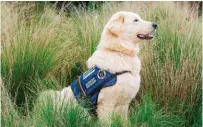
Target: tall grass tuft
173	61
148	114
33	48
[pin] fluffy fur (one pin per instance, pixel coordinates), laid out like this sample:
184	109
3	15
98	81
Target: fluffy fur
117	51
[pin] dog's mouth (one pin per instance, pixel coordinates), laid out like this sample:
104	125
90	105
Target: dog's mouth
145	36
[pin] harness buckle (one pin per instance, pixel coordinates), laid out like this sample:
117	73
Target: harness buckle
101	74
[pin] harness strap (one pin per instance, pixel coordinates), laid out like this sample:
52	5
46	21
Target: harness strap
119	73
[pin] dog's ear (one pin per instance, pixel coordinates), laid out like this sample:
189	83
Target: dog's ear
115	24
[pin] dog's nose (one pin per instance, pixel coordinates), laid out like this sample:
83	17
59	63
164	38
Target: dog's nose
154	25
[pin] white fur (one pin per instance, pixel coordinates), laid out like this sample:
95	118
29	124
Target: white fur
117	51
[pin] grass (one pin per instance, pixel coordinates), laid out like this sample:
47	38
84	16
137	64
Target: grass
147	113
43	48
45	114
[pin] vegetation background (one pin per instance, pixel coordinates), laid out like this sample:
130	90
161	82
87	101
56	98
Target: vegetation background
45	46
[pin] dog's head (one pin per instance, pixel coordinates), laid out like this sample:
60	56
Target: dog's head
129	26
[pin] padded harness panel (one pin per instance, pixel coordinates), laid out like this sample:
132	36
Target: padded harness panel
88	85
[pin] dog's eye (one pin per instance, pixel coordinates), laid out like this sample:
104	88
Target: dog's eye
136	20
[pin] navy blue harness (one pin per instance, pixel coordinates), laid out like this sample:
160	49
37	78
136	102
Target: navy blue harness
88	85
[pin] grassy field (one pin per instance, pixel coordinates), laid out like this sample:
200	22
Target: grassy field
44	48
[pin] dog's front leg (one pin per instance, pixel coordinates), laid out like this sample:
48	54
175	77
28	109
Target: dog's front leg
104	112
123	110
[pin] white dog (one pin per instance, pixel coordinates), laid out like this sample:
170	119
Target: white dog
118	51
